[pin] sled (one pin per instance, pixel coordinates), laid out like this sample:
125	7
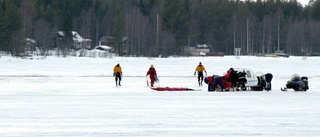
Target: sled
174	89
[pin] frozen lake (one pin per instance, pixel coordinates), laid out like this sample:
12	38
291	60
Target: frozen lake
77	97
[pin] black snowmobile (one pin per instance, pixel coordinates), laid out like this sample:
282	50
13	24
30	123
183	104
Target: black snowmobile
297	83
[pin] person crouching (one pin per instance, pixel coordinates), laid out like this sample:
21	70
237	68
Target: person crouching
213	82
209	80
217	80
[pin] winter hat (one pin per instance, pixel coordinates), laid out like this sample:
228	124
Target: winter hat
151	66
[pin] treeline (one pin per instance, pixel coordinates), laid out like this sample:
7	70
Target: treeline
164	27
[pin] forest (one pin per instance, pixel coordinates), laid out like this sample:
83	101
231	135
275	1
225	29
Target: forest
163	27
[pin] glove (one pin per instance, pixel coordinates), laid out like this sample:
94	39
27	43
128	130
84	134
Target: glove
194	73
121	73
114	74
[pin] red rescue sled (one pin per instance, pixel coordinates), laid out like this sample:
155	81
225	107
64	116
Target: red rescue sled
174	89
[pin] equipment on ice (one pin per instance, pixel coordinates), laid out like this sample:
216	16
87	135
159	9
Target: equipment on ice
156	79
248	80
297	83
254	81
174	89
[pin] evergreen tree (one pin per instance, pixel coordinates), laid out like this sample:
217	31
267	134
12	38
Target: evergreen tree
176	18
10	24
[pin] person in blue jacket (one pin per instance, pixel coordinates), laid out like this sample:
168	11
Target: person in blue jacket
217	81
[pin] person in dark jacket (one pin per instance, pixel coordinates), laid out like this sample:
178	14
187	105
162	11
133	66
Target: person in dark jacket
233	78
268	77
152	74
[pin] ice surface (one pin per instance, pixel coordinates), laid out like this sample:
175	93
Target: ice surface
77	97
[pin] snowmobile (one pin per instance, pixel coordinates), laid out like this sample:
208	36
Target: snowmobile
297	83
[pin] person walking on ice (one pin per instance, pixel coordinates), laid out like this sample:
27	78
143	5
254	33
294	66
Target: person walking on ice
117	73
200	69
152	74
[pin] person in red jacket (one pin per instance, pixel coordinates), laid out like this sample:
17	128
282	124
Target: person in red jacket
226	77
209	80
152	74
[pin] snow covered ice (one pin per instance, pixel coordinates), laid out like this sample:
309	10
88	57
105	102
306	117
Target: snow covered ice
77	97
